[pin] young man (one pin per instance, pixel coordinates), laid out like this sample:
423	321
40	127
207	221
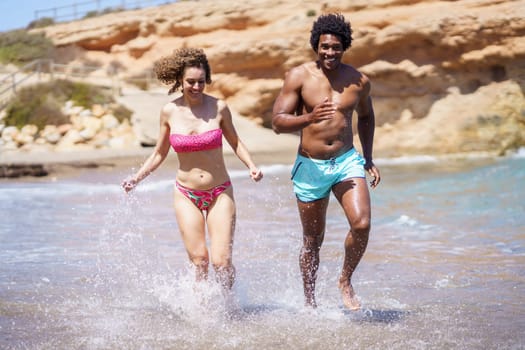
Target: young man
318	99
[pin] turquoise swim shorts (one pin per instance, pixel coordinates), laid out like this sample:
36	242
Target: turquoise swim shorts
313	178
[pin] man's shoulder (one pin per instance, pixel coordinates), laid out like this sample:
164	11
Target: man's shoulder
301	73
305	68
353	72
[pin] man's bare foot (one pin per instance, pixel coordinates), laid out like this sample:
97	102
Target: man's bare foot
350	300
310	302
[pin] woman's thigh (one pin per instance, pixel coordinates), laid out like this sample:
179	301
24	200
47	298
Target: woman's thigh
221	226
190	220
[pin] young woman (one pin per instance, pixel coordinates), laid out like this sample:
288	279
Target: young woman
194	125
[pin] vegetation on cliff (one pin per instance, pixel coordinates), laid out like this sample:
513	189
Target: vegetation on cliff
20	47
41	104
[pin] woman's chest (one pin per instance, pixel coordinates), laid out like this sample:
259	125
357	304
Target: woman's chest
187	123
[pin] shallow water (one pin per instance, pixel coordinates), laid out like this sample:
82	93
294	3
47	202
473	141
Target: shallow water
84	266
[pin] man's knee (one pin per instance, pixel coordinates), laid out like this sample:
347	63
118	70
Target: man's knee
361	225
312	242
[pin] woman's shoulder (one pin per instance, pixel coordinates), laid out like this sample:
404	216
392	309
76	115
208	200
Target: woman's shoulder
216	102
171	106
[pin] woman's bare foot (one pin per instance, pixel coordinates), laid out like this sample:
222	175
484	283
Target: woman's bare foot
350	300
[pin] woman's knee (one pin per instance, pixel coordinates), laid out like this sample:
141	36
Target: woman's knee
199	258
221	263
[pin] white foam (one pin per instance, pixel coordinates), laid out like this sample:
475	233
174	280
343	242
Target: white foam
519	153
422	159
405	220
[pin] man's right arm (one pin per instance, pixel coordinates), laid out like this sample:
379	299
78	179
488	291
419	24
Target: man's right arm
284	118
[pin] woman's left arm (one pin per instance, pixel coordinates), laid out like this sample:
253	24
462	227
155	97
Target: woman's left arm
230	134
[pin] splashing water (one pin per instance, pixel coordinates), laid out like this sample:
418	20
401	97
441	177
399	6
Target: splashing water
86	266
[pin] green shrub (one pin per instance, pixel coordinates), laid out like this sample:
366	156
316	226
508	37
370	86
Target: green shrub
41	104
91	14
32	107
20	47
41	23
107	10
310	13
120	112
86	95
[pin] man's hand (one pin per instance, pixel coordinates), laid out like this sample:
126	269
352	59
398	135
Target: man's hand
323	111
374	172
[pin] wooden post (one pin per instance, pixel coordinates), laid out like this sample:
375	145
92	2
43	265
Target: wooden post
51	69
13	82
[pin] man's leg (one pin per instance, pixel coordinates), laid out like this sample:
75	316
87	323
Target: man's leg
354	197
313	219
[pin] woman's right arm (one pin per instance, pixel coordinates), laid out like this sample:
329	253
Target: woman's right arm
159	153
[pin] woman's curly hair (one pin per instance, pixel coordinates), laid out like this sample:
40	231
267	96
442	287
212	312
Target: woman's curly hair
170	69
332	23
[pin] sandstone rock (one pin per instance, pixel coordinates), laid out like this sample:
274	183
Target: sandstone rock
416	53
489	119
64	128
72	137
97	110
19	170
91	123
23	138
9	133
109	121
9	145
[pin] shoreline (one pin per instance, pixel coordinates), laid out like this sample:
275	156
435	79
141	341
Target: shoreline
20	165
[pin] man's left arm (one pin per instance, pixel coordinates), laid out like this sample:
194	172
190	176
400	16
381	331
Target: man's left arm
365	129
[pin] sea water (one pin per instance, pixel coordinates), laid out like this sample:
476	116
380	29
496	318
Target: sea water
85	266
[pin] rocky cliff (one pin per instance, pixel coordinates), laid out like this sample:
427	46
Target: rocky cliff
447	76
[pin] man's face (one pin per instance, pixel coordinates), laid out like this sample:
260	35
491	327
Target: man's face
330	51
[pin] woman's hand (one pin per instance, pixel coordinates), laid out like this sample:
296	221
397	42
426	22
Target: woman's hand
129	184
256	174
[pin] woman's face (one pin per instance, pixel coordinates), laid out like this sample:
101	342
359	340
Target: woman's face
193	81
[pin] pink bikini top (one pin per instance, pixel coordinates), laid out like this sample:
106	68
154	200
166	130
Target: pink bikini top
198	142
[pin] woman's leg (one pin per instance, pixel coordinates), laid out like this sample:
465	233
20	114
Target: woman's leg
192	229
221	227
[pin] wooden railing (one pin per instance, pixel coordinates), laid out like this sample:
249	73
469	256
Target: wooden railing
12	82
79	10
42	70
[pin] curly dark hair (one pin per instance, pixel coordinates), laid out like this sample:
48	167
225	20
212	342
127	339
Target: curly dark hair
331	23
170	69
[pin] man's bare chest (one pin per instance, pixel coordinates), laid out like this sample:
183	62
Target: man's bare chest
344	95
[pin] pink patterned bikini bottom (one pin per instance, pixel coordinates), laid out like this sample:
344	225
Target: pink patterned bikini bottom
203	198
